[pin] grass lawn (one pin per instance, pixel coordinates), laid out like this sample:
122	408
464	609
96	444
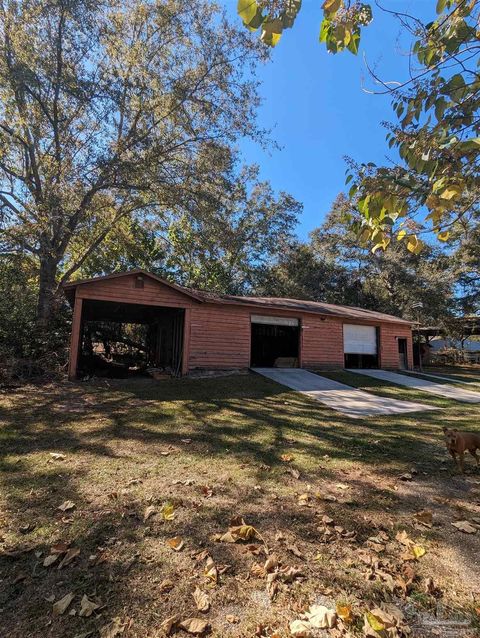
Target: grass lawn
216	449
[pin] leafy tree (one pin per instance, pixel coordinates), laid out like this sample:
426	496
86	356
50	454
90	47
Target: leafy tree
433	184
112	110
230	243
333	268
340	28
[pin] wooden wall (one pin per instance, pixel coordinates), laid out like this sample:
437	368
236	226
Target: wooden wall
122	289
218	335
389	334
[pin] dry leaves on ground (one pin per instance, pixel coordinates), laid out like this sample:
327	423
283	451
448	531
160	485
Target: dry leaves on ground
465	526
61	606
87	607
176	543
114	628
201	599
66	506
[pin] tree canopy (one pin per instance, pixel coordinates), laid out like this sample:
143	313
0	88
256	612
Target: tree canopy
113	111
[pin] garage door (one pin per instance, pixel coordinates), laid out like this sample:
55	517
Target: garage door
359	339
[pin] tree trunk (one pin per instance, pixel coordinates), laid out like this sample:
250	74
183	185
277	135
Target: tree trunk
46	293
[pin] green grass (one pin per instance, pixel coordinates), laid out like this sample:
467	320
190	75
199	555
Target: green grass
230	434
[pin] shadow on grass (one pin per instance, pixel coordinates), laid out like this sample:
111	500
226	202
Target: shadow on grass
238	429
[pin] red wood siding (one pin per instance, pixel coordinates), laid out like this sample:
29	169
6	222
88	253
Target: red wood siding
322	342
123	290
219	337
389	334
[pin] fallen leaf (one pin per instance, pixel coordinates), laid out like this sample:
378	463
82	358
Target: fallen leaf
194	626
403	538
49	560
321	617
149	511
176	543
62	605
232	619
300	629
69	556
271	563
295	551
240	532
211	571
286	458
57	456
113	629
406	477
425	517
465	526
66	506
258	570
168	512
345	613
414	552
170	623
201	599
372	622
166	585
87	607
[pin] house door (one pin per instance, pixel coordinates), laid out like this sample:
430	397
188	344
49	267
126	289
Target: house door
402	354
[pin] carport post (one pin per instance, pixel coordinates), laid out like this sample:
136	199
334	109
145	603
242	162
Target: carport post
186	340
75	339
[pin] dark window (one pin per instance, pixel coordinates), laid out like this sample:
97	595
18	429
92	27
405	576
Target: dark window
139	282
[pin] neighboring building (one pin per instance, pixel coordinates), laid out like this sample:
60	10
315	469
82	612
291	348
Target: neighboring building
190	329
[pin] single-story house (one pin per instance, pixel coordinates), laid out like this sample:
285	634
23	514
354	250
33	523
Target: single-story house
192	329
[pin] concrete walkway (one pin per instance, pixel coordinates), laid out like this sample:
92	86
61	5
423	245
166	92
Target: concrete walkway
441	389
464	381
337	396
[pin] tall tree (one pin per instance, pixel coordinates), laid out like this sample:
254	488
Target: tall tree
110	109
338	270
230	244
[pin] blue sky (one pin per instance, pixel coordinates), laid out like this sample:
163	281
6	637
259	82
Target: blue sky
317	108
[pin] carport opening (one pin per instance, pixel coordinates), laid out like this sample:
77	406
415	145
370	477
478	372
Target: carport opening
120	340
275	345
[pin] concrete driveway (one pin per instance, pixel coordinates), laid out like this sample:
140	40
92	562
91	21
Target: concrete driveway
441	389
338	396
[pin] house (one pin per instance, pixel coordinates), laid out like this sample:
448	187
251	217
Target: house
190	329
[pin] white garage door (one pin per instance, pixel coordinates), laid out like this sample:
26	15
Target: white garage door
359	339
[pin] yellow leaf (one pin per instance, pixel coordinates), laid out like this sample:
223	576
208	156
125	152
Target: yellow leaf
451	192
418	551
247	9
414	245
374	622
168	511
332	6
276	38
443	236
401	234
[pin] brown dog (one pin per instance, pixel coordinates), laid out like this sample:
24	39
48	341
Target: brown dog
459	442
